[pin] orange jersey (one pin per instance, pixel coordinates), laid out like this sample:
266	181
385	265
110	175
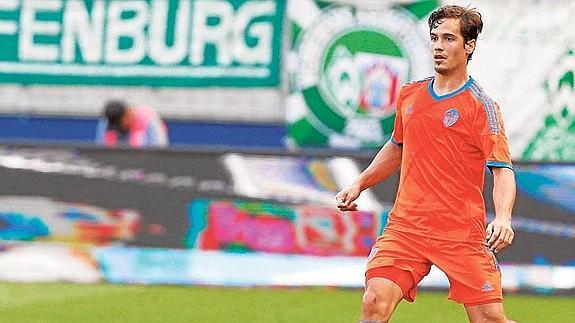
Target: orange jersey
447	143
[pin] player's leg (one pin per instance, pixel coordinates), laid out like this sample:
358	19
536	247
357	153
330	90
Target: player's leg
475	279
379	300
487	313
394	268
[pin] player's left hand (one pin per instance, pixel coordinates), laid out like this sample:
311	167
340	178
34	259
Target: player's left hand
499	234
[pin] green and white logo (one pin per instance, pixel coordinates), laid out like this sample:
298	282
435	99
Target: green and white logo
555	140
347	67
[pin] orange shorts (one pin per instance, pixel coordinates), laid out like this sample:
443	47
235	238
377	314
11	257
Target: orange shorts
473	272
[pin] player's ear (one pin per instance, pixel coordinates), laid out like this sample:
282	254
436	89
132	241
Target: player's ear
469	46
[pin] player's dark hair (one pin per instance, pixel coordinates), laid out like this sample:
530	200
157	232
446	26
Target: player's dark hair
469	21
115	111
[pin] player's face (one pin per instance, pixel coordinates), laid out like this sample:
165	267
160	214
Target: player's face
448	48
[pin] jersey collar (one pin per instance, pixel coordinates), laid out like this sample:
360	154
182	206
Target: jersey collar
448	95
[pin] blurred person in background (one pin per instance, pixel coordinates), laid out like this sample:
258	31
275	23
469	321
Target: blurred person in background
447	130
136	127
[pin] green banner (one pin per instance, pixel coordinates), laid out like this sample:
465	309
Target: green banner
555	138
347	64
160	43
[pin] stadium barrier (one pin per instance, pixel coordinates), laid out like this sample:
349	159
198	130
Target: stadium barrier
242	218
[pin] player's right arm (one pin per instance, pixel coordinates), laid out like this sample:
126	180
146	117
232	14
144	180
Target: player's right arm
387	161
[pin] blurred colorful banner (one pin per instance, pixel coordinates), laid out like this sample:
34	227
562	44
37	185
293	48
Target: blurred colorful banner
237	218
295	179
173	43
164	266
29	218
240	226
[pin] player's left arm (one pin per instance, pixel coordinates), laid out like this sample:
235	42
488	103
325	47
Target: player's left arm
499	232
492	141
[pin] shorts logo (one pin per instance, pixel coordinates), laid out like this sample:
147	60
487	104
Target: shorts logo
450	117
487	287
372	254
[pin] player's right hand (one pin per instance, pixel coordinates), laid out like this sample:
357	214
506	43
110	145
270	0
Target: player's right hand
346	197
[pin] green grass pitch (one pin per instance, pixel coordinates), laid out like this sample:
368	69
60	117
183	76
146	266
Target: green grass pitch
63	303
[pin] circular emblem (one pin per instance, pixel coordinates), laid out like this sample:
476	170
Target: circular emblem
348	67
450	117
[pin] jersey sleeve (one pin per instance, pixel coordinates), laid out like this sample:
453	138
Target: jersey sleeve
397	135
491	138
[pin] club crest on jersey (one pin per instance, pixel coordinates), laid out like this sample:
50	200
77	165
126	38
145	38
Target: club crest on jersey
450	117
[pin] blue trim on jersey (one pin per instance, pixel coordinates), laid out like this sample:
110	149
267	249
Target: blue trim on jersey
448	95
395	142
489	105
498	164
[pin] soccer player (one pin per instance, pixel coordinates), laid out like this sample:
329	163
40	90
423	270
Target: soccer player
137	127
447	132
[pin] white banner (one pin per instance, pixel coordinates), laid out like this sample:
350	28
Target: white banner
525	61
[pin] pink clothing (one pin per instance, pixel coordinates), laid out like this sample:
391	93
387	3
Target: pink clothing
146	129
